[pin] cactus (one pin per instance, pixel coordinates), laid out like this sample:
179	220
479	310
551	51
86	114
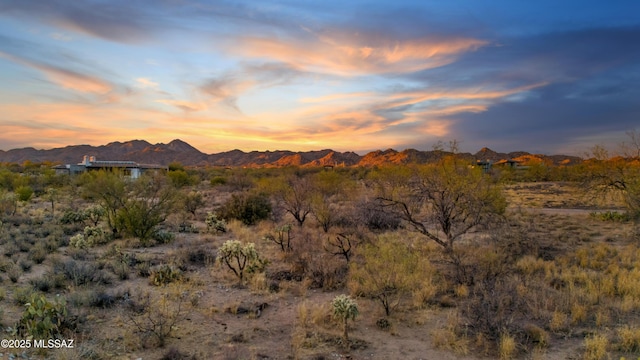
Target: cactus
212	221
344	308
238	257
43	318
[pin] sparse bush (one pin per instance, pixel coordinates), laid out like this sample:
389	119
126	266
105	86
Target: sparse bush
14	273
389	271
38	253
22	295
373	215
282	237
25	265
613	216
248	208
155	318
82	273
48	282
218	180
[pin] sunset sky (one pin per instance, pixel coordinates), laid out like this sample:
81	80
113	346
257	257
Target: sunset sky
539	76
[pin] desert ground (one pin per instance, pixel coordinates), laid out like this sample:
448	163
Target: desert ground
117	303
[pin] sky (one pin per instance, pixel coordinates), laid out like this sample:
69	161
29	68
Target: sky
540	76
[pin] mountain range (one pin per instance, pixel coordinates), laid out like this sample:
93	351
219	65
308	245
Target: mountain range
179	151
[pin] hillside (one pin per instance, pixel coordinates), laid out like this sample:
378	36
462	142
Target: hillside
179	151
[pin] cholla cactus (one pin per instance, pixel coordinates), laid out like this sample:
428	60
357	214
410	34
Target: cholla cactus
238	256
344	308
78	241
212	221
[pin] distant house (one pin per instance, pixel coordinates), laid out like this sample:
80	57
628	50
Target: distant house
89	163
485	165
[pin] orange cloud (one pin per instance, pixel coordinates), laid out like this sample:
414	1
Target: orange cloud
184	105
348	57
147	83
65	78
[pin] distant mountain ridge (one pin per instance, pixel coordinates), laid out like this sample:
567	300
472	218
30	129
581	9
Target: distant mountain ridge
144	152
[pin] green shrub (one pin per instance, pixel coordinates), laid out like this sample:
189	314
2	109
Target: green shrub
248	208
24	193
612	216
163	237
218	180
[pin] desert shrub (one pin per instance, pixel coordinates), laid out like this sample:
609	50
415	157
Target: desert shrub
163	236
389	271
200	256
214	223
22	295
629	339
105	300
143	269
43	319
248	208
38	253
82	273
25	265
48	282
218	180
493	307
73	217
165	274
175	354
24	193
595	347
240	257
612	216
373	215
5	264
155	318
282	237
120	269
14	273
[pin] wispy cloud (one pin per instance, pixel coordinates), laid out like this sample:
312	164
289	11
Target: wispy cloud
184	104
65	78
352	57
147	83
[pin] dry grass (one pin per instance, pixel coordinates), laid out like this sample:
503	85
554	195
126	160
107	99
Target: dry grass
507	347
448	338
596	347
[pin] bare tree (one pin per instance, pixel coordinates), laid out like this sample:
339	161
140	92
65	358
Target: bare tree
442	201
